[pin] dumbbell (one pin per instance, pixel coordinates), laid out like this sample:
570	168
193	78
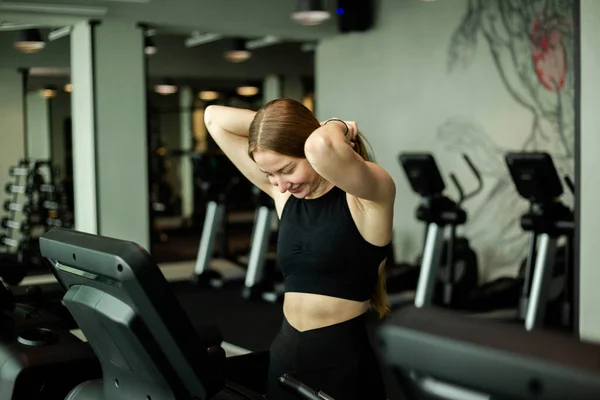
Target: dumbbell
11	188
10	206
20	226
47	188
54	222
18	171
51	205
6	241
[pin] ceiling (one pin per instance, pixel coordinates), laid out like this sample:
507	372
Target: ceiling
244	18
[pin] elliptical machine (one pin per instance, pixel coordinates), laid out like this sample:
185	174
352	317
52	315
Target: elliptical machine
547	220
220	180
261	280
449	268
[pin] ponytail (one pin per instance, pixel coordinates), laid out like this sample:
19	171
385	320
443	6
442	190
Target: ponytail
379	302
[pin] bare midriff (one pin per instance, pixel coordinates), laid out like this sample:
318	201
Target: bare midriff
306	311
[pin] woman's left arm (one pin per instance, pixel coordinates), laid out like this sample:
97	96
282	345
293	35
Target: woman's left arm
329	150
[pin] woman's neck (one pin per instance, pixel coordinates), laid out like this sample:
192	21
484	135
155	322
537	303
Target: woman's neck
320	189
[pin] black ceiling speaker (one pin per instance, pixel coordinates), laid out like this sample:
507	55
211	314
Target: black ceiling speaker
355	15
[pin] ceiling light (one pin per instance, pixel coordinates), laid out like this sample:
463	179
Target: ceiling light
149	46
48	92
311	12
208	95
165	88
238	52
247	91
29	41
68	88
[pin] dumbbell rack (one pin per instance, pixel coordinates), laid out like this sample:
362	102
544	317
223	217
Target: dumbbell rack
36	205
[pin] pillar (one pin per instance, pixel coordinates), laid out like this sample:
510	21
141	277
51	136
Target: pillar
588	165
110	154
272	88
12	125
186	172
38	126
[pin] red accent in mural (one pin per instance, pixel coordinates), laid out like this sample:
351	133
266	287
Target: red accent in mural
548	53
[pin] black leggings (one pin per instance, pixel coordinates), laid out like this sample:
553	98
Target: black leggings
336	359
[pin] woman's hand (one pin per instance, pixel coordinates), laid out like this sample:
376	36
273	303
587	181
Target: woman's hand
352	134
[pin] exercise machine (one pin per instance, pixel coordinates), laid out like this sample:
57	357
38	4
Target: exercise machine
220	178
448	269
261	281
444	354
39	356
548	220
145	344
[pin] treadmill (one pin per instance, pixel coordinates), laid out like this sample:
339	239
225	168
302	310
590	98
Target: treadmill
146	345
437	354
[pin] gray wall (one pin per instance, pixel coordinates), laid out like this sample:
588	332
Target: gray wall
396	81
38	126
589	252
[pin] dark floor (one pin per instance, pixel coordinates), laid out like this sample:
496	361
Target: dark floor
248	324
182	244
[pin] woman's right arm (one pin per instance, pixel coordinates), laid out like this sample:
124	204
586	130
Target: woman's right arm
229	128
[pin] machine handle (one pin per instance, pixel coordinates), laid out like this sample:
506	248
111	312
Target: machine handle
461	193
477	176
305	392
570	184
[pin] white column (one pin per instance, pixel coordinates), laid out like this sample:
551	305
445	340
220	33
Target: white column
109	104
589	189
84	128
38	126
272	88
186	172
12	125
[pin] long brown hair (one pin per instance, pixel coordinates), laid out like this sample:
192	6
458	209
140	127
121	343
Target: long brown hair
283	126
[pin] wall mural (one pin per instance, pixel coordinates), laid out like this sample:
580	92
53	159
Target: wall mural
531	43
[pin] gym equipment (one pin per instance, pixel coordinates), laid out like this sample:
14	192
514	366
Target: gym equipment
43	363
259	284
37	204
443	354
21	226
123	305
290	382
16	207
548	219
447	284
220	178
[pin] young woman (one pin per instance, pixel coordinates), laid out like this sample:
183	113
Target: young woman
336	212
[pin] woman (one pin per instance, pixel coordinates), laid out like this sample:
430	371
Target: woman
335	210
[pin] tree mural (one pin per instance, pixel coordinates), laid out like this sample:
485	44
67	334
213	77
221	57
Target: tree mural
531	44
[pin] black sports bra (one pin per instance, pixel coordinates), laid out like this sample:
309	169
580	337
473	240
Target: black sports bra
321	251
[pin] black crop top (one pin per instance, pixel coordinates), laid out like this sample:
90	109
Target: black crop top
321	251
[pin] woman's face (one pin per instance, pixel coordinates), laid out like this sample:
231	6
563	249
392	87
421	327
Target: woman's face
294	175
